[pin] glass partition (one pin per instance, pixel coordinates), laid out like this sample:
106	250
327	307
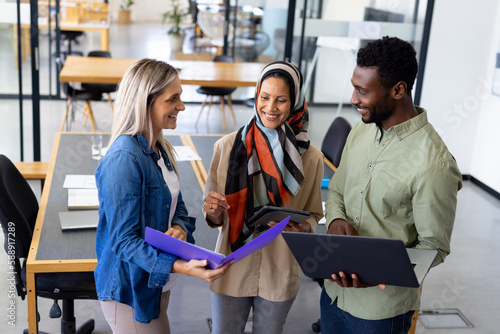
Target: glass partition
249	29
28	66
15	78
334	30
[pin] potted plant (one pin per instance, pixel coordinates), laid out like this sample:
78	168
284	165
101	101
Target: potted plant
124	12
174	17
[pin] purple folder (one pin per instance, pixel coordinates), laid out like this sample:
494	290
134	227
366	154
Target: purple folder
189	251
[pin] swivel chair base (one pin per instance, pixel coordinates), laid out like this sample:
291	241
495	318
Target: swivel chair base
87	328
68	321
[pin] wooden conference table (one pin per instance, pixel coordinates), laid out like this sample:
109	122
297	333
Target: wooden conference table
54	250
203	73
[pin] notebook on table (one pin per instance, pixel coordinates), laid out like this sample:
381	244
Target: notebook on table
79	219
374	260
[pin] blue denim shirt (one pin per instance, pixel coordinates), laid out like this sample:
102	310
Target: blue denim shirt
132	195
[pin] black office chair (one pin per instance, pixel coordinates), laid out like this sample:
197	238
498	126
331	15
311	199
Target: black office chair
101	89
71	37
334	141
218	91
74	94
18	212
193	9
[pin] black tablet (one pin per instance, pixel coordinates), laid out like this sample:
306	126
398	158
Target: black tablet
270	213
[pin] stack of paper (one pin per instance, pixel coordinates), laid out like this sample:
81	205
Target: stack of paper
82	199
82	192
185	153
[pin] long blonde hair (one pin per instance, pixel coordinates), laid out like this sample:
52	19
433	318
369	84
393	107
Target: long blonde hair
141	85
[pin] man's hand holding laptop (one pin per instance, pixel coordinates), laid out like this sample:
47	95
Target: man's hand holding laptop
342	227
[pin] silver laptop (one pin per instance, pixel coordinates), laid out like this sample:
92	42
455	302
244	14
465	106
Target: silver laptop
78	219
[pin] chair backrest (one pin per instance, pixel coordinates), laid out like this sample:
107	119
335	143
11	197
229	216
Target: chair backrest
262	41
99	89
67	90
18	209
223	59
99	53
193	9
334	140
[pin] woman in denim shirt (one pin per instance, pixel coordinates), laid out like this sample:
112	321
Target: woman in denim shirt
138	187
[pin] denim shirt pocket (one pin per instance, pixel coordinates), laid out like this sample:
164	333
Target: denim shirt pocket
386	193
152	194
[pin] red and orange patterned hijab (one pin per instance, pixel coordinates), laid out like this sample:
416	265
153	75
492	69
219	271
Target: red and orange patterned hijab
265	166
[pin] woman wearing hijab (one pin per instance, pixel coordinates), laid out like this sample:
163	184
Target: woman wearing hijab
269	161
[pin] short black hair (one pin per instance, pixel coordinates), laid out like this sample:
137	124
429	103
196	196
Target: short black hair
395	59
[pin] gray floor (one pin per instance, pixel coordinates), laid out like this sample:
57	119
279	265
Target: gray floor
466	281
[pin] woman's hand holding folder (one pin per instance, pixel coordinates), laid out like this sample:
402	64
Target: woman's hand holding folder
198	268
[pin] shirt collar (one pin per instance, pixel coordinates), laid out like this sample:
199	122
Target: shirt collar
405	129
147	148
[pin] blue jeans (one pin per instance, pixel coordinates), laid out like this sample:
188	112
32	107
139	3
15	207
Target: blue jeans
230	314
334	320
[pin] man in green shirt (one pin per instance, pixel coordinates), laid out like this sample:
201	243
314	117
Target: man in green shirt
396	179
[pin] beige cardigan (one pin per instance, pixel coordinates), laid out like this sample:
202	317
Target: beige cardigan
272	272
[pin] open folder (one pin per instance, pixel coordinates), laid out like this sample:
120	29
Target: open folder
374	260
189	251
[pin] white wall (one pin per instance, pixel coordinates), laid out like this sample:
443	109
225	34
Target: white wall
486	156
457	83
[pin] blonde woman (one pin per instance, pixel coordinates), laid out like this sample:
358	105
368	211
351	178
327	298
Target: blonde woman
138	186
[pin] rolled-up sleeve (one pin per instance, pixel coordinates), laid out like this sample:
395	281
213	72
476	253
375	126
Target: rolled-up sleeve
434	207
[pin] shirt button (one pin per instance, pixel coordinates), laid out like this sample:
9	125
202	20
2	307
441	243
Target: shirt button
399	137
168	206
356	218
370	166
361	192
157	284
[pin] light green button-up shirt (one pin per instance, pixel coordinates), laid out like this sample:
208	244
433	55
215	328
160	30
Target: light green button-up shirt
403	186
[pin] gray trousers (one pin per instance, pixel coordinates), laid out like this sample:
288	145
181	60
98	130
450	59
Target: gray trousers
230	314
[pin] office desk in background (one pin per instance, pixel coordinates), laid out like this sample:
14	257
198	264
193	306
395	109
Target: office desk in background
101	27
84	17
203	73
53	250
